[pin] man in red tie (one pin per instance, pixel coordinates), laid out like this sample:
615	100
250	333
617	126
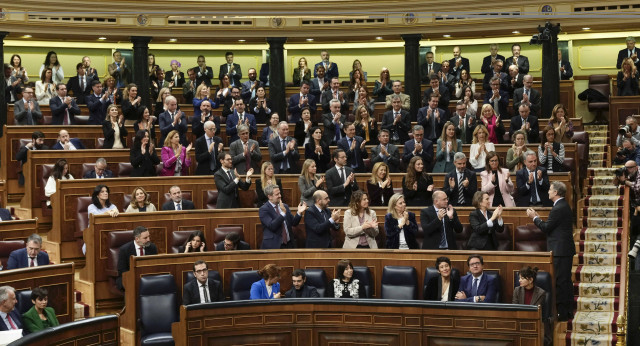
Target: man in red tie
30	256
10	318
141	245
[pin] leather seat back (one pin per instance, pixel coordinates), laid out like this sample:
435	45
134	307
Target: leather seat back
318	279
178	239
6	247
221	232
399	282
212	199
82	215
115	240
495	274
158	300
364	276
124	169
88	167
529	238
241	284
599	82
24	301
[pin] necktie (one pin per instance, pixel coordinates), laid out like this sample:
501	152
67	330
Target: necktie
141	251
337	132
429	69
285	235
66	119
230	176
29	116
82	83
247	160
212	164
284	163
13	326
474	288
178	206
241	117
32	264
444	244
342	175
205	293
534	194
460	190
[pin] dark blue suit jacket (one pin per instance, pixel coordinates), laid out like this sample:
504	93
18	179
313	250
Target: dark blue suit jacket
486	287
523	197
97	109
18	259
264	73
318	227
17	320
5	214
568	71
272	225
427	152
294	106
277	155
624	53
166	125
232	123
76	143
428	125
343	144
58	111
92	174
331	72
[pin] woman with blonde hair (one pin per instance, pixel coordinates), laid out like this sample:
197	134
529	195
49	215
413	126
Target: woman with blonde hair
115	133
366	126
360	223
202	94
480	146
448	146
383	86
309	182
175	157
267	177
493	124
515	154
131	104
561	123
628	79
140	201
301	73
379	186
400	225
160	107
417	185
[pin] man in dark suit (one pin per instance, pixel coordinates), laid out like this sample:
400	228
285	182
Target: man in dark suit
173	119
283	151
532	183
37	143
90	72
630	52
141	245
477	287
245	152
496	72
464	124
559	231
176	202
487	61
514	80
300	101
419	146
5	214
264	73
354	147
97	103
227	181
80	84
527	123
397	121
249	87
119	70
386	152
458	63
484	225
100	170
319	84
208	149
197	122
331	68
428	68
201	290
232	242
341	181
238	117
320	223
527	95
66	143
204	73
30	256
333	123
438	89
516	59
438	222
26	111
230	69
190	86
497	98
564	66
461	183
64	108
299	288
8	301
432	118
448	79
277	221
334	93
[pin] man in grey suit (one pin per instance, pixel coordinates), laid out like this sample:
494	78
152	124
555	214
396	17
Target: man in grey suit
386	152
559	231
227	181
283	151
26	111
245	152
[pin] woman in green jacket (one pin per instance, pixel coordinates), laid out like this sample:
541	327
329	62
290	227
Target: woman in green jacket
39	316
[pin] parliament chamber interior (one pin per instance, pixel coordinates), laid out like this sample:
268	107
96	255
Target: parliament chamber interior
179	172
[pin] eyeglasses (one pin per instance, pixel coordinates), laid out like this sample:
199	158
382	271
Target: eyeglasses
474	264
202	271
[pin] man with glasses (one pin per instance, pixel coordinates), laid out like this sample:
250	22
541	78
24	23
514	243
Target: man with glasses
30	256
201	290
227	181
438	222
232	242
100	170
208	149
26	111
497	98
477	287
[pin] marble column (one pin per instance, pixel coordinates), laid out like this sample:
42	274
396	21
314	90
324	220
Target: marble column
276	76
412	71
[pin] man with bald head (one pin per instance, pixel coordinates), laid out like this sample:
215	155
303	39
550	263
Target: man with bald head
438	222
458	63
197	123
208	149
527	95
67	143
320	222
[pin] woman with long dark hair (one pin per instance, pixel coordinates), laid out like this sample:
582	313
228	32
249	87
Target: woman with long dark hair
51	62
360	223
60	171
143	156
195	243
444	286
417	185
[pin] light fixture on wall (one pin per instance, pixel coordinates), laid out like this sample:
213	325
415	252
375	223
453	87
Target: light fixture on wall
446	35
173	40
102	38
309	40
515	32
379	38
241	40
26	36
586	29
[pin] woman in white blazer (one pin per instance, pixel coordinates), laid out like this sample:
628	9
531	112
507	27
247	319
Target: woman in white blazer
360	235
496	181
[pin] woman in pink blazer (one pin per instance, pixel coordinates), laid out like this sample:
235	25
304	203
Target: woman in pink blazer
175	157
496	181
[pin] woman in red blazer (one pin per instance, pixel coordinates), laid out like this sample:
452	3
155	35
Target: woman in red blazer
175	157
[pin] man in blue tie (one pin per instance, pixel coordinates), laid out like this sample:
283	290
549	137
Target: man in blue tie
532	183
333	123
354	146
176	202
477	287
283	151
277	220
